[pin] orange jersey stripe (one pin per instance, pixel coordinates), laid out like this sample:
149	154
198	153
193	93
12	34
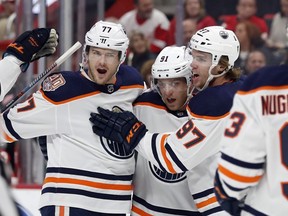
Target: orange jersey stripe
68	100
237	177
8	138
163	152
61	211
87	183
262	88
139	211
206	202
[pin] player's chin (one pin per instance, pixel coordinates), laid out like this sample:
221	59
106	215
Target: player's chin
172	106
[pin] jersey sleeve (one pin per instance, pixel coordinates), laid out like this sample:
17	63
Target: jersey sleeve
202	188
35	117
184	149
242	160
9	72
198	138
41	116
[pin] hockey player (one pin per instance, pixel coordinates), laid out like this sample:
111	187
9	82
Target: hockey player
252	173
161	110
86	174
29	46
214	51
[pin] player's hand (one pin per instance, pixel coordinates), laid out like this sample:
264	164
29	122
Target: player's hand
118	125
229	204
32	45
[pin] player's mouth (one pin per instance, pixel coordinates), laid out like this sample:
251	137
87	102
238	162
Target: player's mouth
101	71
171	100
195	77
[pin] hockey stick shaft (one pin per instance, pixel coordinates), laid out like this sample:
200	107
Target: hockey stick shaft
51	68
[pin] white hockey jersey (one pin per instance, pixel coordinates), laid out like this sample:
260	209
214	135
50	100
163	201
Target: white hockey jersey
84	170
9	72
157	192
254	160
198	138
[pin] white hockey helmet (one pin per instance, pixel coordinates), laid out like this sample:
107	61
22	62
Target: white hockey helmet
218	41
172	62
108	35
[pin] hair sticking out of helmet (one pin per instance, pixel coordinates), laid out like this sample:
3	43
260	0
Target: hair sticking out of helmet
106	35
172	62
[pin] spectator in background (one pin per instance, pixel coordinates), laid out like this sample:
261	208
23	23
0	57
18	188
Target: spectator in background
189	29
151	22
7	27
139	51
256	59
194	10
246	10
250	39
146	72
278	36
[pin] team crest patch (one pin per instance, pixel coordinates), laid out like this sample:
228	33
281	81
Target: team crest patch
115	149
53	82
224	34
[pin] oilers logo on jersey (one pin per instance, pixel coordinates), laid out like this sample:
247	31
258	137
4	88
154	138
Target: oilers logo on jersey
115	149
165	176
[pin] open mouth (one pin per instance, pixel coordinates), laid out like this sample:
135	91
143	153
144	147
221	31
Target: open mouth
101	71
171	100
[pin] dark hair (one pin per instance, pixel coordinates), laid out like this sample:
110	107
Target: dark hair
234	73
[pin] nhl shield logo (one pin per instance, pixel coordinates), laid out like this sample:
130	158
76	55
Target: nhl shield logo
110	88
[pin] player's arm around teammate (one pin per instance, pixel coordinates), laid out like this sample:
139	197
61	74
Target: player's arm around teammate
199	138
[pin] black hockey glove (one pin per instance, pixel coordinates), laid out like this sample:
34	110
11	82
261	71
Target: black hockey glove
118	125
32	45
229	204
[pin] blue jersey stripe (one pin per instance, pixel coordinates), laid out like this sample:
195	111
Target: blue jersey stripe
242	163
86	193
63	170
9	126
203	193
253	211
175	158
154	150
162	209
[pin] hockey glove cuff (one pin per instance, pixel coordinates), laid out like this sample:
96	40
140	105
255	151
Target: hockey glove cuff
118	125
32	45
229	204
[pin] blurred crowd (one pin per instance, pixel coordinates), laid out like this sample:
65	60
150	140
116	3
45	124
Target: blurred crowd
263	40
